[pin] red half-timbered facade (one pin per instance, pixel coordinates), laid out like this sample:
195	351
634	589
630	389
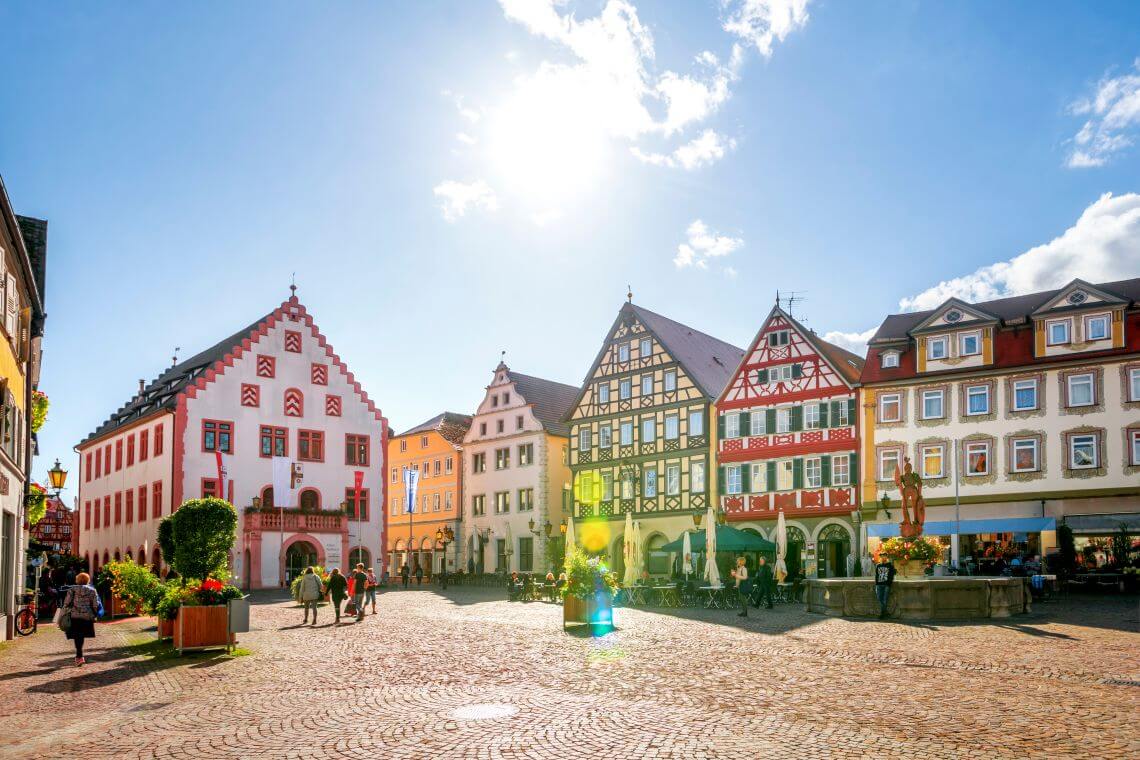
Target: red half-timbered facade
787	440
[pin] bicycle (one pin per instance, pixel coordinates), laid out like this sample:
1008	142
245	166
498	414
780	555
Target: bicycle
26	621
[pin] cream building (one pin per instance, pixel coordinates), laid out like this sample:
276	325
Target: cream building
515	473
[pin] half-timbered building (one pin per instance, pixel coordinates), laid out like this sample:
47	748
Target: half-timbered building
640	428
788	442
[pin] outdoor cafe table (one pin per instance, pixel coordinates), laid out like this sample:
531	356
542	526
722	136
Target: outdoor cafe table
714	597
667	596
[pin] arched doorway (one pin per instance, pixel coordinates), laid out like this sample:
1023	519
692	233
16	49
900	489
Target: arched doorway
656	560
399	556
141	556
796	543
359	555
298	556
118	557
425	558
617	557
246	569
156	560
130	556
834	544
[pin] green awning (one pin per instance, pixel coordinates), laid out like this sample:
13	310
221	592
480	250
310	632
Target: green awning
728	539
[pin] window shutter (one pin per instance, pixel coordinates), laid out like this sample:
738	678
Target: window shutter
797	473
746	478
771	476
720	480
823	409
12	310
825	470
720	427
770	421
761	376
745	430
797	418
797	371
850	411
853	468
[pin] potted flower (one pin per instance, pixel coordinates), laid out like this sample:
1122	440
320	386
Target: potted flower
35	503
911	555
202	619
588	595
134	588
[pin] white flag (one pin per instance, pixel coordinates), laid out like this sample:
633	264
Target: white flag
411	485
283	493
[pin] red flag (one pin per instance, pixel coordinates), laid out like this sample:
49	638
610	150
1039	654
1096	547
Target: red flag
221	475
358	478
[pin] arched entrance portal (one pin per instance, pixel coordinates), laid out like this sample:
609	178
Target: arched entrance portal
834	545
298	556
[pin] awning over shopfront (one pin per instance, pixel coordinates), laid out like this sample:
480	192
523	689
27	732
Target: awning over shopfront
1103	525
995	525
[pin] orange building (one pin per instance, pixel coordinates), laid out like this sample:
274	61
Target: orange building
432	448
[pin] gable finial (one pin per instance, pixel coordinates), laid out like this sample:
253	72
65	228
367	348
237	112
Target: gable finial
174	359
629	293
777	298
293	285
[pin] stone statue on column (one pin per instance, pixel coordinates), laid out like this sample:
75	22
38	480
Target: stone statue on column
909	484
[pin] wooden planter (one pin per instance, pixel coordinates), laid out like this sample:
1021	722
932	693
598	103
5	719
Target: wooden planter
165	628
596	610
119	607
573	610
202	628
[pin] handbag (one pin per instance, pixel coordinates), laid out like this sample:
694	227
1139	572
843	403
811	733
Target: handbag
62	616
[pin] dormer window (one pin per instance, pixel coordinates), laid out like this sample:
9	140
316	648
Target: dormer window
1057	333
889	359
937	348
1096	328
969	344
778	338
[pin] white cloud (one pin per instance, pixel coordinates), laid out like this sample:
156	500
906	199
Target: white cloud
702	245
457	197
465	138
856	342
759	23
1113	113
707	148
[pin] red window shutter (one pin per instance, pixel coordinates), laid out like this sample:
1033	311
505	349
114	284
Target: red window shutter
266	366
87	469
158	440
144	445
118	507
107	509
130	507
332	406
250	394
294	403
142	503
320	374
293	341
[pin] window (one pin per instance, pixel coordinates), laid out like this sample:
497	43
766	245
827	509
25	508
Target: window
648	430
732	479
526	454
783	373
482	431
274	441
647	385
813	472
87	515
623	352
978	458
841	470
811	416
447	501
519	422
1096	328
757	422
672	427
1134	447
526	499
604	393
107	510
646	347
142	503
649	483
395	475
118	455
479	462
607	486
759	479
156	500
969	344
479	504
502	459
932	461
977	399
294	403
784	420
585	439
424	504
890	407
1024	395
498	426
217	436
626	434
605	436
1024	455
1083	452
495	400
144	445
211	488
448	465
1057	333
627	485
1134	384
696	423
158	442
732	425
889	461
130	506
506	398
932	405
778	338
404	444
625	389
356	510
1080	389
670	380
526	554
889	359
130	450
310	445
395	508
87	468
672	480
435	502
785	475
937	348
435	468
356	451
696	477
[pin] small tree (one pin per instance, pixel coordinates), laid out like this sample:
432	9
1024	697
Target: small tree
203	532
1121	546
556	553
166	539
1067	547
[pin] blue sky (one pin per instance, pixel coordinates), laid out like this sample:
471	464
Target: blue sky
449	180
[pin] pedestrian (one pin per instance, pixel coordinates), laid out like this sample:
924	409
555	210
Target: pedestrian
310	592
740	573
337	588
764	583
370	590
81	606
404	574
419	575
884	577
359	587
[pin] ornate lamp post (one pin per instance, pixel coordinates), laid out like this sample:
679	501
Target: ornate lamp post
57	476
697	516
885	502
444	536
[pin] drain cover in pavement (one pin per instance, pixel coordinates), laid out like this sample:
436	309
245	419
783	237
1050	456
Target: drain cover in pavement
483	712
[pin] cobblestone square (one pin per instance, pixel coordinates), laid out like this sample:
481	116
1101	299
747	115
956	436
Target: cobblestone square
465	674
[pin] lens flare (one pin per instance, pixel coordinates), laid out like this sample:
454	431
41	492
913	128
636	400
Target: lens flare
594	535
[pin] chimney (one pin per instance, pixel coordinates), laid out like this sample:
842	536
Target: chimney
142	386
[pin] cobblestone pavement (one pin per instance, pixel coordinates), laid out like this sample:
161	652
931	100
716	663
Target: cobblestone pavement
468	675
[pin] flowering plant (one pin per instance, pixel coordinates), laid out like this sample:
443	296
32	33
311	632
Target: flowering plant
39	410
212	591
35	503
588	575
921	548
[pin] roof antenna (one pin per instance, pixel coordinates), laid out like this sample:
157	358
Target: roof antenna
174	359
293	285
629	294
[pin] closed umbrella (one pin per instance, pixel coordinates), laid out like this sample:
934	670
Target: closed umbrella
781	548
712	573
628	541
510	547
569	539
687	556
638	557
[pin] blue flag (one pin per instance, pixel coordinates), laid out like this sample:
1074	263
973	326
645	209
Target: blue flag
411	484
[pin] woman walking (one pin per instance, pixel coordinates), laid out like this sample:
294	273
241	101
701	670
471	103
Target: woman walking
338	590
82	604
370	590
311	591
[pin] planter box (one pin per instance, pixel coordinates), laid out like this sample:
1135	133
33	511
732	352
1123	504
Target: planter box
120	608
596	610
573	610
202	628
165	629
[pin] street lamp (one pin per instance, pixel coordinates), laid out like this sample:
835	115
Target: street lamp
547	528
697	519
562	528
885	502
58	477
444	536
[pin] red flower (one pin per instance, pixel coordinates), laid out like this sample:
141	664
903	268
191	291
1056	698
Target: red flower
211	584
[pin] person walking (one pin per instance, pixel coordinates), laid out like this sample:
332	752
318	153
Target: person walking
81	604
370	590
337	588
740	573
884	577
310	592
419	575
764	583
404	575
359	587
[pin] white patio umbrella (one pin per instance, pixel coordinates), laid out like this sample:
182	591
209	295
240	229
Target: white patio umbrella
781	548
638	557
712	573
628	547
569	538
510	547
687	556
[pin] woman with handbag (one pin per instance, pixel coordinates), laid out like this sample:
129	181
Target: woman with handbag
81	606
